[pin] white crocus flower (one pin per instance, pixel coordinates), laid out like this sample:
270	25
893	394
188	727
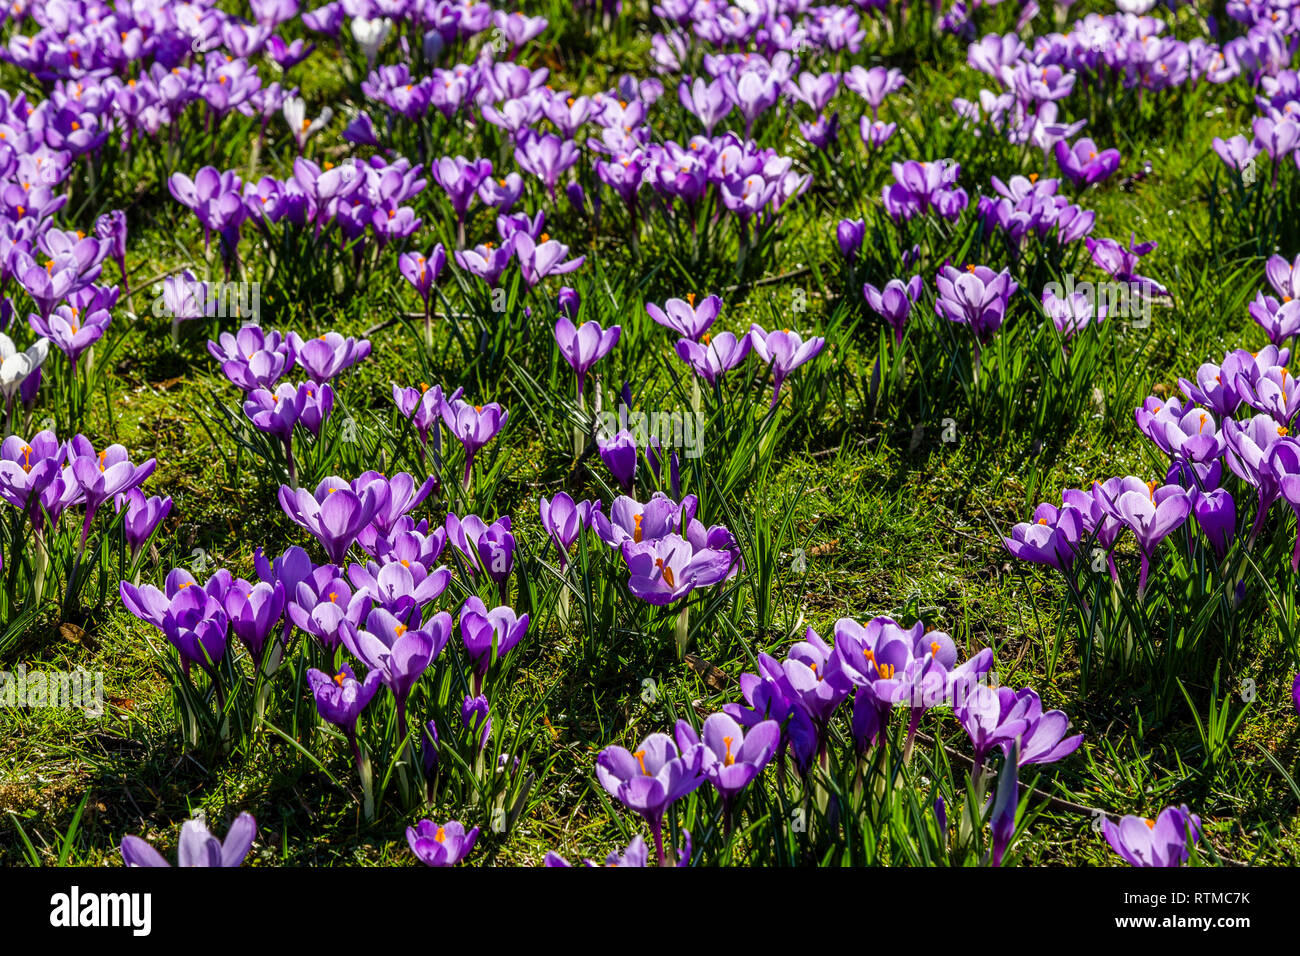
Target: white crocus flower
295	114
371	34
15	366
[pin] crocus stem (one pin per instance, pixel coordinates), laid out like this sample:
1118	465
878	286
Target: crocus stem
562	610
911	733
293	465
469	468
367	778
42	564
657	828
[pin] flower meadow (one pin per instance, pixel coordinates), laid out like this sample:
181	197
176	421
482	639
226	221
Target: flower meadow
649	433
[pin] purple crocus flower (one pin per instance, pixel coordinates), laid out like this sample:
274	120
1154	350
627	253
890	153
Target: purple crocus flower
706	101
422	271
997	718
650	778
1281	320
1082	164
684	317
894	302
473	426
849	234
276	412
490	548
617	452
568	302
666	569
1248	443
1277	138
71	331
546	156
486	261
808	678
822	132
401	586
1121	263
1273	390
630	520
440	845
191	618
1237	153
1052	538
563	520
1159	842
317	402
909	667
767	698
476	717
460	179
198	847
341	699
423	406
975	297
733	756
1216	386
143	516
714	355
253	611
543	257
335	513
325	356
489	635
874	84
585	345
1216	514
1186	433
785	351
1284	277
321	602
27	469
1150	510
94	477
876	134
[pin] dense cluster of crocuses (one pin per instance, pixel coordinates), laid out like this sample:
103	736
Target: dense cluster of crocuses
1234	423
789	705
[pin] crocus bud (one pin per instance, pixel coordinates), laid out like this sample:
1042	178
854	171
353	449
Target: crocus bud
568	302
619	456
